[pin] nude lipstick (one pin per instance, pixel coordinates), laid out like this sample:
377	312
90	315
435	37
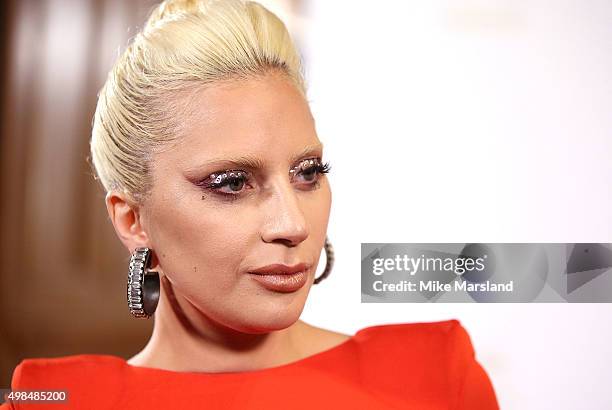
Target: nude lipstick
280	277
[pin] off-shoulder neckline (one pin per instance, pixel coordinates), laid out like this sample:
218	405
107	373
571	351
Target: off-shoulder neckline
327	354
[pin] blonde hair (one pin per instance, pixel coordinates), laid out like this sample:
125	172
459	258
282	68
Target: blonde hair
184	45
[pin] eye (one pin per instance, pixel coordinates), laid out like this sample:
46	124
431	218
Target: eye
232	180
230	184
309	169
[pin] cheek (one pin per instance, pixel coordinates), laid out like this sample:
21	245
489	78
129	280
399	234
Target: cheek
318	210
201	245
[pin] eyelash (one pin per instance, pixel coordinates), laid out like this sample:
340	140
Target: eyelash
301	168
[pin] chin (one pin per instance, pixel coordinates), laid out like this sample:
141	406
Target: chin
271	318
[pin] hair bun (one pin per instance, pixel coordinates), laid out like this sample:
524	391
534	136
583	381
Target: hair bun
170	8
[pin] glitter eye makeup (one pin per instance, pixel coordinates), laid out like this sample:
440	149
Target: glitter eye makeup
309	167
235	180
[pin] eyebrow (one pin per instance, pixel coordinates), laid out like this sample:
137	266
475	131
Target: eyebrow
251	162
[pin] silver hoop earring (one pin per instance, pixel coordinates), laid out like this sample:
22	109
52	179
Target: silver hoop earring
142	285
329	253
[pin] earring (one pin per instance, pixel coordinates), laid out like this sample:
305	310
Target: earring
329	253
142	286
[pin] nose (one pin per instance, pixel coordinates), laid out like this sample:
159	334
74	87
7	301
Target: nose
286	222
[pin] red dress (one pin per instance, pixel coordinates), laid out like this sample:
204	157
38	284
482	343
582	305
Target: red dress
426	365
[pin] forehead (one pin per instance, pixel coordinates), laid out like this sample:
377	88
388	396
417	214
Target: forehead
266	116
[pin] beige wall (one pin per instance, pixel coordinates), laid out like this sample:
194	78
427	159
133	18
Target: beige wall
62	278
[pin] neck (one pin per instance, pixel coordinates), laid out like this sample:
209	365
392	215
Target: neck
186	340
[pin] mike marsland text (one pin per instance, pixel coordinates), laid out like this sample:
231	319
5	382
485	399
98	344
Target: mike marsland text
437	286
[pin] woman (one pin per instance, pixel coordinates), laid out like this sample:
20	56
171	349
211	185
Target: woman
205	144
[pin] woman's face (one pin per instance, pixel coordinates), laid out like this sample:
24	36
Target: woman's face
206	239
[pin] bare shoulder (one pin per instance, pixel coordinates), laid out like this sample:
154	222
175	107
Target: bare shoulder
137	360
334	336
321	339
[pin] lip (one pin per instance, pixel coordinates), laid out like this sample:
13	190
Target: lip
281	278
280	269
284	283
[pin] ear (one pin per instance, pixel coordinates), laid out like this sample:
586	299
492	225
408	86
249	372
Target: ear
126	218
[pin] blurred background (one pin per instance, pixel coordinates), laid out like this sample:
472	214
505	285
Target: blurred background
479	121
